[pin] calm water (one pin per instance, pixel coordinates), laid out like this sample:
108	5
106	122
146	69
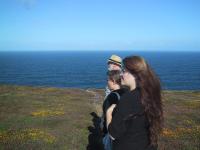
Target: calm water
177	70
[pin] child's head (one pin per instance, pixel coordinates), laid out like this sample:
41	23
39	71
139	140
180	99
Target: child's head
114	63
114	79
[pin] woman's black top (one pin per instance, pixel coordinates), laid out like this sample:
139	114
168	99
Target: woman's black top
129	126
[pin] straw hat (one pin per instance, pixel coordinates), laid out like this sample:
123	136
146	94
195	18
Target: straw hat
115	60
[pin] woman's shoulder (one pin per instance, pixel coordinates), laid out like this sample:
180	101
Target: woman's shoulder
136	92
131	102
131	93
132	96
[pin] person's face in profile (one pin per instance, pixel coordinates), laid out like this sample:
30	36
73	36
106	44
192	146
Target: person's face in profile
112	66
127	78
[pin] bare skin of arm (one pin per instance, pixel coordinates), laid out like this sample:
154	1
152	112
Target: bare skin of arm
109	116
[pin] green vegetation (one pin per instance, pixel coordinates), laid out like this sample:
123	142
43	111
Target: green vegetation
182	120
53	118
44	118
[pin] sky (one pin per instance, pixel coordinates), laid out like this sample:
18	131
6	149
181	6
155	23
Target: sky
160	25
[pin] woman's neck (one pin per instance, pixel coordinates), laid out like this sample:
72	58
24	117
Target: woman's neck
133	87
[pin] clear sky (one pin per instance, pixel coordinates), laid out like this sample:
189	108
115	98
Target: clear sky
100	25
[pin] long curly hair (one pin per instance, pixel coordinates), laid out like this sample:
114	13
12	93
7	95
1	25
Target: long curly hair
151	97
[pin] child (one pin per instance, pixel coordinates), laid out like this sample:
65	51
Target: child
114	85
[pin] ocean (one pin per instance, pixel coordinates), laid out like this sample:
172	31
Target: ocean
87	69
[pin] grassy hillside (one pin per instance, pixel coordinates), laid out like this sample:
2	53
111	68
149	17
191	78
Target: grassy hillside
44	118
52	118
182	120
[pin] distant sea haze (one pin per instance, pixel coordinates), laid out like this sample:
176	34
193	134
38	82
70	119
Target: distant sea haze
87	69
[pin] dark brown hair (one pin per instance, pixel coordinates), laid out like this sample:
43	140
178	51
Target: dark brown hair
149	85
114	75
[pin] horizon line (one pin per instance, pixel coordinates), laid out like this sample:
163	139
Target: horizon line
60	50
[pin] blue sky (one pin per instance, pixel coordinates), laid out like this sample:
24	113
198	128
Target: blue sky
100	25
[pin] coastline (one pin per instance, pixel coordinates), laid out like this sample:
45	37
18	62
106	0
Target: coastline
79	88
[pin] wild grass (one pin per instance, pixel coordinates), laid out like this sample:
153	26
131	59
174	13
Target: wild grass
53	118
182	120
44	118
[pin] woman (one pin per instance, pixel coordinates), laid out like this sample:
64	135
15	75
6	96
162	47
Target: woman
136	122
114	85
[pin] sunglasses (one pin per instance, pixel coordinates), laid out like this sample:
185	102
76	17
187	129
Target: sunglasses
124	70
122	73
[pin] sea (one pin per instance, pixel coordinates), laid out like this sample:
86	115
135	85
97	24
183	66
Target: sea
87	69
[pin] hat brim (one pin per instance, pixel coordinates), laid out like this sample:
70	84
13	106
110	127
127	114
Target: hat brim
114	62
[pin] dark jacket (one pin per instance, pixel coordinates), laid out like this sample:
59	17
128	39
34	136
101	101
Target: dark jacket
129	125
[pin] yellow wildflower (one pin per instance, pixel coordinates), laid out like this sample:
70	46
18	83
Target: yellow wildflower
44	113
26	134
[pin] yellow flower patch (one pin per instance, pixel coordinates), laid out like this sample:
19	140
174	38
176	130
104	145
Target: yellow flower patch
182	132
44	113
26	134
169	133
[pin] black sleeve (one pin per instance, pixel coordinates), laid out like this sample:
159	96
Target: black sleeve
117	127
113	99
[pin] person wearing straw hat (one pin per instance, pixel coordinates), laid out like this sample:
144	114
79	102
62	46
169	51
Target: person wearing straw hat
114	63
